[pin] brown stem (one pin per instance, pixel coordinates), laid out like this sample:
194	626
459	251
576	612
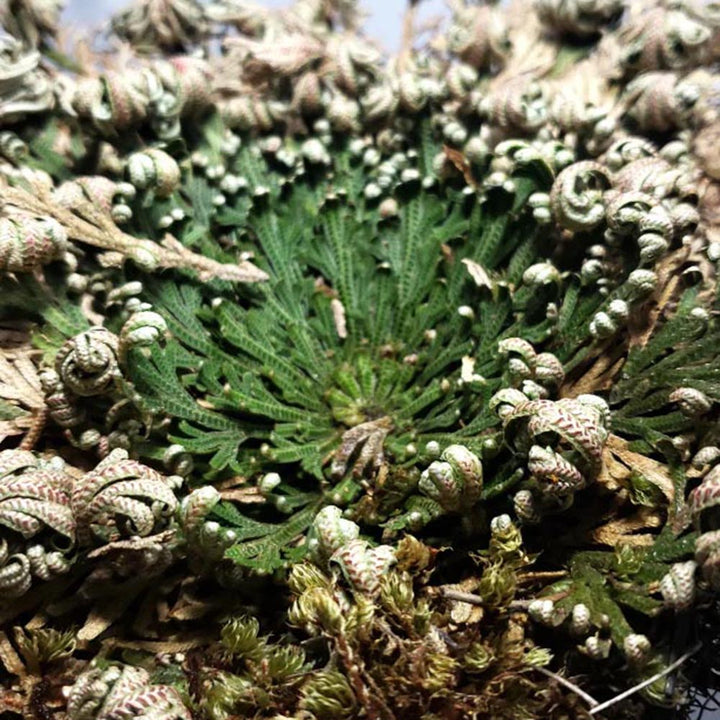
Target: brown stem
589	699
375	707
542	575
33	434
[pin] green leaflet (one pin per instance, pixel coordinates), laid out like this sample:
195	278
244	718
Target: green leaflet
273	548
682	353
271	376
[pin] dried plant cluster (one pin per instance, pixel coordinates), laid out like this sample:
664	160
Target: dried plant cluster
338	385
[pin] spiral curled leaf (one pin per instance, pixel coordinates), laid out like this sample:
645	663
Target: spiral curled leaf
637	649
626	150
33	497
576	198
692	402
707	557
654	176
663	38
195	507
546	612
88	363
581	18
518	104
27	243
98	190
577	429
122	691
478	36
12	146
161	92
161	24
38	527
412	94
580	619
141	329
25	89
575	422
15	572
121	497
678	586
552	469
704	497
154	168
362	565
454	481
329	532
658	102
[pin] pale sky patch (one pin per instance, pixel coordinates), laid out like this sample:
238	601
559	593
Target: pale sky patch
384	23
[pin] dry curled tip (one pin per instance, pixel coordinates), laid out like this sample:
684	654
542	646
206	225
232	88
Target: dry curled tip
581	18
121	498
518	104
661	38
164	24
27	243
660	102
37	527
122	691
87	364
577	195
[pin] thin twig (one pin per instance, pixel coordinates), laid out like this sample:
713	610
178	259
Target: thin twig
473	599
589	699
645	683
463	597
542	575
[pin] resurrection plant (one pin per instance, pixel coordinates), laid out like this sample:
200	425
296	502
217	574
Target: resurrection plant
340	385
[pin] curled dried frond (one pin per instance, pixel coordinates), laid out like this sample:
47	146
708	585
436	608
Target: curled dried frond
659	102
88	363
38	526
577	195
163	24
478	35
578	17
25	89
660	38
121	498
122	691
27	243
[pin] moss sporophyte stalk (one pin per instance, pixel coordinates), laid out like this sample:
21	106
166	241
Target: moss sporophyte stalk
336	384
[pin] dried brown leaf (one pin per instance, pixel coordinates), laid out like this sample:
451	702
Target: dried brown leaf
643	323
598	377
478	273
617	456
461	163
623	530
9	657
20	387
